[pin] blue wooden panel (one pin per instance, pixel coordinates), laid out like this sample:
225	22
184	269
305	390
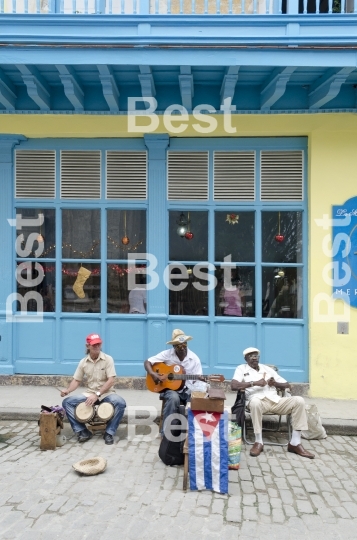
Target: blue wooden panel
126	342
73	338
283	345
200	344
231	339
35	342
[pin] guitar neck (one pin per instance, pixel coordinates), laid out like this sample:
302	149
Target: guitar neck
189	377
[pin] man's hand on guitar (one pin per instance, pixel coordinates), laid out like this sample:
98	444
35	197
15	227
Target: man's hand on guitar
157	377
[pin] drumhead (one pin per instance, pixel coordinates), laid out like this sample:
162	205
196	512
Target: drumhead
105	411
84	413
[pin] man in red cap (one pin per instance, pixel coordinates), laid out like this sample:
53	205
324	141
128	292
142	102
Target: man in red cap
100	372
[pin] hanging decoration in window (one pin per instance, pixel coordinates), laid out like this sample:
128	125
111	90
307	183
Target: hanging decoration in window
182	223
279	237
82	276
232	218
125	240
188	233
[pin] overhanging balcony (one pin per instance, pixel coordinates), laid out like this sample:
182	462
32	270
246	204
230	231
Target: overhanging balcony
178	7
89	56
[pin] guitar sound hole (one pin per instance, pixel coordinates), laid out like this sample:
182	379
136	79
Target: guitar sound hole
170	376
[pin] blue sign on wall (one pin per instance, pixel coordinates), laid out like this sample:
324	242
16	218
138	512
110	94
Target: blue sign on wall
344	251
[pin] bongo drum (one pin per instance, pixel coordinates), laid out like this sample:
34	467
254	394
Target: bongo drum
84	413
105	412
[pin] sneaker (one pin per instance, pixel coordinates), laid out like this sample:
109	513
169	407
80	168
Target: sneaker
84	435
108	438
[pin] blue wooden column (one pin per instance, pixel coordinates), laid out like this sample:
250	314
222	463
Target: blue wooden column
7	143
157	239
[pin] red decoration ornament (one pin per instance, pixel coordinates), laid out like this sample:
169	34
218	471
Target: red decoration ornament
189	235
279	238
125	240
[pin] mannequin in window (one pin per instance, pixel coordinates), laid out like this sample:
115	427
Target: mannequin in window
137	297
232	299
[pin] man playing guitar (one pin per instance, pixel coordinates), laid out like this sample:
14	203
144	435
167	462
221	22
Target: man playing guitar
180	354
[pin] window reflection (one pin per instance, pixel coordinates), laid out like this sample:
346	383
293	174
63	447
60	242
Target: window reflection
282	237
234	235
282	293
185	296
81	234
188	236
81	288
43	277
42	242
126	295
235	292
126	232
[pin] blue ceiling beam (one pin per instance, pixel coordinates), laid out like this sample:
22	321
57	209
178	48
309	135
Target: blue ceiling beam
37	88
328	87
229	83
275	87
110	90
7	92
71	86
147	81
186	87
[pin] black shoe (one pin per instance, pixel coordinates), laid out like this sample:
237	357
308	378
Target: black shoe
108	438
84	435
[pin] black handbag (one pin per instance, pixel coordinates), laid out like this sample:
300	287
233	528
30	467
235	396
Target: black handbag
239	408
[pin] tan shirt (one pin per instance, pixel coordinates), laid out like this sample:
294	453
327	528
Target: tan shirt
97	372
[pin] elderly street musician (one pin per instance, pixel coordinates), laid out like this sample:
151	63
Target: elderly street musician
260	383
100	371
179	355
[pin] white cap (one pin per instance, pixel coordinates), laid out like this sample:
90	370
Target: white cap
250	350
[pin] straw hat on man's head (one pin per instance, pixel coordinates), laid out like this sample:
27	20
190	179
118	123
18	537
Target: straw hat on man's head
178	337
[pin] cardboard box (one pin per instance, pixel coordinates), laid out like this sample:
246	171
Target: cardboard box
207	404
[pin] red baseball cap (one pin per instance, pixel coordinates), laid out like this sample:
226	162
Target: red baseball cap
92	339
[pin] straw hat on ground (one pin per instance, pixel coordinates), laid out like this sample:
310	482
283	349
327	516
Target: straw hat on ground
90	466
178	337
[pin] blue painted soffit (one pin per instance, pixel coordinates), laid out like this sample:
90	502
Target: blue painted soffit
105	89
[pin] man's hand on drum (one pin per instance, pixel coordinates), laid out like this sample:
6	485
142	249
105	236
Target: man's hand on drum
91	399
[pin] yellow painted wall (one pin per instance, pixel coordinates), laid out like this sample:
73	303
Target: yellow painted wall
332	179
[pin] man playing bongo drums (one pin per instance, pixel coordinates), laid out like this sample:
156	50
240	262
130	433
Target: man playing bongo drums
100	372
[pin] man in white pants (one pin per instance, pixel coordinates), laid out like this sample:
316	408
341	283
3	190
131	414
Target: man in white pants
260	384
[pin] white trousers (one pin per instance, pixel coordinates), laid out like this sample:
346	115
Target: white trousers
287	405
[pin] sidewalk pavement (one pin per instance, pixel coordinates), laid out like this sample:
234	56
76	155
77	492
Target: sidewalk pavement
24	403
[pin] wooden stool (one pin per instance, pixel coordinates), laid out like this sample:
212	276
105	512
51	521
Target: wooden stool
50	426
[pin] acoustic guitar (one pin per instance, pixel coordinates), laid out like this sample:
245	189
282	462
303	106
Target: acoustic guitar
175	378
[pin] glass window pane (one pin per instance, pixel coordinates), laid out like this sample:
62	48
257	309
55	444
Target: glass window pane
120	298
188	236
43	277
126	232
81	234
81	288
234	235
189	300
42	242
282	292
235	292
282	237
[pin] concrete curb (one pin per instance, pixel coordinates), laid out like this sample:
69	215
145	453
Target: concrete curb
127	383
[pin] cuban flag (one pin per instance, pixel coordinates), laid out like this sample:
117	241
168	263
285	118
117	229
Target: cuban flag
208	450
